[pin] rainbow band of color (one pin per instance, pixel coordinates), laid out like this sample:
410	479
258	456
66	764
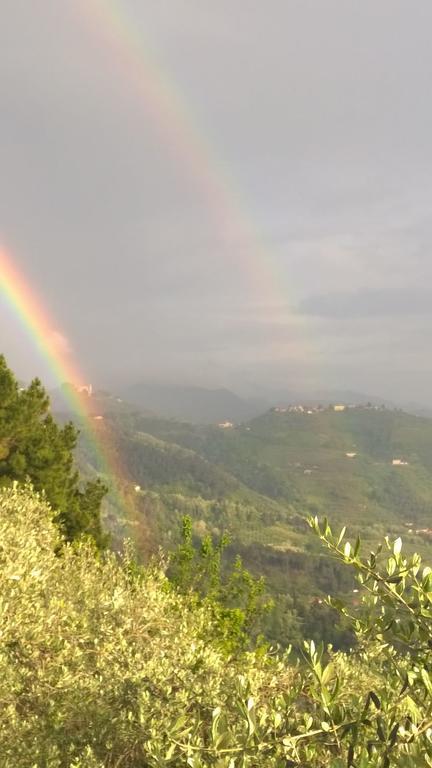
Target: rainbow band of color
34	318
157	91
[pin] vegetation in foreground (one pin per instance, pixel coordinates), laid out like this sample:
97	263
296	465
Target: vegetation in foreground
103	664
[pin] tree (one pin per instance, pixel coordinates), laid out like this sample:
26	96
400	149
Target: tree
236	598
33	447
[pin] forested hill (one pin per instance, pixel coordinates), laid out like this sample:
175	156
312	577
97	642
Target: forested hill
325	462
259	480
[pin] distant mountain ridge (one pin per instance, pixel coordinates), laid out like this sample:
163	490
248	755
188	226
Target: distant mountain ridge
197	405
204	405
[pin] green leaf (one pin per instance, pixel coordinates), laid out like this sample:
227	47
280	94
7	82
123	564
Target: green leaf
380	731
328	674
170	751
215	717
405	685
375	699
426	681
308	722
393	734
397	546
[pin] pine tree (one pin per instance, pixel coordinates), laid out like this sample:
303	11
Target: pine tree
33	447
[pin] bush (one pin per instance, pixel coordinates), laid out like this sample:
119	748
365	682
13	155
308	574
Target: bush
102	666
106	665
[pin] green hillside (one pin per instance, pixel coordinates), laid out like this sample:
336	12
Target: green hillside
301	460
261	479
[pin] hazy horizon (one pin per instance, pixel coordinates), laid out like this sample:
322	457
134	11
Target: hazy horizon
222	196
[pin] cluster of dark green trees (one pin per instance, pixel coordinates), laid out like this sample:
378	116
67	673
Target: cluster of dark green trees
34	448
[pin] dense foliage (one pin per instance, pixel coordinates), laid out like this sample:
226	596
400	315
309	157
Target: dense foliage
103	665
33	446
237	600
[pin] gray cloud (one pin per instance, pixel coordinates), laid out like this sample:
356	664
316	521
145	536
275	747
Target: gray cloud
367	303
315	120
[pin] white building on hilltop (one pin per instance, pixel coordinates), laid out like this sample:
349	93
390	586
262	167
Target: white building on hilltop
85	389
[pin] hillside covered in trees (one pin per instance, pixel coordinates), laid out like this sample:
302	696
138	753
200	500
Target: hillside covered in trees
260	480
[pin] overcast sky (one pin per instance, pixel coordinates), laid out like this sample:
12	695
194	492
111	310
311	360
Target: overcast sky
229	192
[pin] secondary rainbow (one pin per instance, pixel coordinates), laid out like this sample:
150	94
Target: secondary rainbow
157	92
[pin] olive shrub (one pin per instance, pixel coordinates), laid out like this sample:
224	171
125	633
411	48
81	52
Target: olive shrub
106	665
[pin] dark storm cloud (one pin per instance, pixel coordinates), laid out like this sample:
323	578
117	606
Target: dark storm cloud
317	122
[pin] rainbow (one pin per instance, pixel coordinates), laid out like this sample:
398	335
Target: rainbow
53	348
50	343
159	96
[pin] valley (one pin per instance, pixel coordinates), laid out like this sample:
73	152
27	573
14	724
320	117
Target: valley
366	467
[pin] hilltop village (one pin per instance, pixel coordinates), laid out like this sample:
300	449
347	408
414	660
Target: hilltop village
338	408
311	409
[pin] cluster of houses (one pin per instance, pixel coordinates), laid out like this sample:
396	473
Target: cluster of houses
338	408
297	409
395	462
418	531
